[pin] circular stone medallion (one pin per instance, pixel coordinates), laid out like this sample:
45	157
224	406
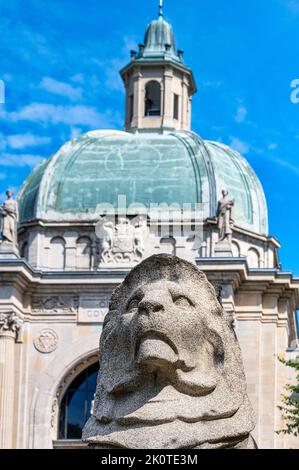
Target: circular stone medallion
47	341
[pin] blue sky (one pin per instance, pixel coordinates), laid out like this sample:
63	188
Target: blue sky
60	59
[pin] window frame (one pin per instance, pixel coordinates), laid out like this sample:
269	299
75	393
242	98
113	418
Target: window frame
147	109
176	105
63	416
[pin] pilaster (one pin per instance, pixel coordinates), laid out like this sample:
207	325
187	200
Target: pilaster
10	325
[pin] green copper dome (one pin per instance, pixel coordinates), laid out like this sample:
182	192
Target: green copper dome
177	167
159	48
159	34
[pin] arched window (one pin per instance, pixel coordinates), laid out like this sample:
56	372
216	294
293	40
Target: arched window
24	250
153	99
236	250
175	107
83	253
76	405
131	107
57	253
253	258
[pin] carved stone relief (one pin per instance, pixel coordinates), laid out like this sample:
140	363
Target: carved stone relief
54	411
10	324
47	341
121	242
55	304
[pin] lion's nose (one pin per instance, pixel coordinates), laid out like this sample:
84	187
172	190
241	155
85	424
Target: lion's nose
150	306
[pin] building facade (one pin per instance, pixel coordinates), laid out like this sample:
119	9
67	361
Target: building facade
101	204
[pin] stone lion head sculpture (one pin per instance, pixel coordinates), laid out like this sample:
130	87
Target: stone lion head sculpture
171	373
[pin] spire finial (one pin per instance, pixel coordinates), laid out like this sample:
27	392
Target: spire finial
161	8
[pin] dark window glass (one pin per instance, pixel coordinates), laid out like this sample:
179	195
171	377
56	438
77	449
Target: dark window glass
131	105
176	107
153	99
24	250
76	404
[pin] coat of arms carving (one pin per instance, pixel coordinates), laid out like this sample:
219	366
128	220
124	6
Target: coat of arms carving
123	241
47	341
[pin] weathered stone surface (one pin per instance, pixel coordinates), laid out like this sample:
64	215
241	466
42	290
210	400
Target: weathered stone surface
122	242
171	372
9	215
224	218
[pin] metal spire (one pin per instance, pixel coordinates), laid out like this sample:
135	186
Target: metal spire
161	8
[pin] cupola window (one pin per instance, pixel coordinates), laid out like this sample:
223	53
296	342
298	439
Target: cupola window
153	99
131	107
175	107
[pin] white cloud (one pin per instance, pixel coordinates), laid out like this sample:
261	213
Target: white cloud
288	165
212	84
61	88
129	44
21	141
239	145
241	114
7	77
75	131
111	67
272	146
77	115
293	5
113	79
20	160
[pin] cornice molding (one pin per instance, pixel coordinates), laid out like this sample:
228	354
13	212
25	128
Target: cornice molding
232	271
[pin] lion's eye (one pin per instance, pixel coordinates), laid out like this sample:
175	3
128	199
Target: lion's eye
182	302
133	304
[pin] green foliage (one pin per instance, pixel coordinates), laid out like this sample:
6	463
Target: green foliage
290	401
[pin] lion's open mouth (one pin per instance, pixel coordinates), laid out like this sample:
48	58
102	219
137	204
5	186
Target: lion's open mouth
155	336
155	349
